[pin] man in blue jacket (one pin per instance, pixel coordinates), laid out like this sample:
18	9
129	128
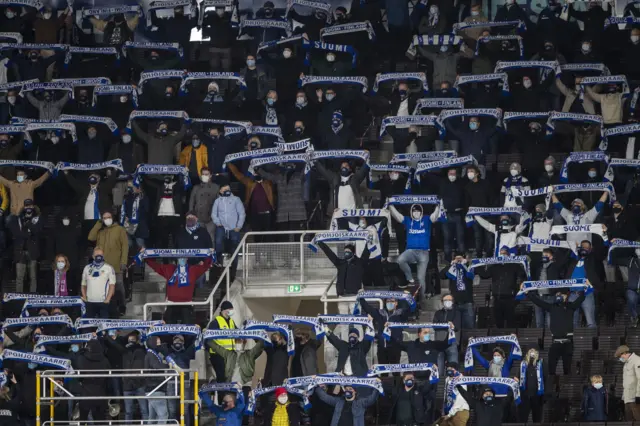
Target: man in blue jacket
228	216
231	411
347	404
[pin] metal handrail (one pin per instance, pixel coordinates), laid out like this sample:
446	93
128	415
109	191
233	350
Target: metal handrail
226	274
112	422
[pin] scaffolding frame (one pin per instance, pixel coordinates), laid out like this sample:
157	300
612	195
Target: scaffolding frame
46	394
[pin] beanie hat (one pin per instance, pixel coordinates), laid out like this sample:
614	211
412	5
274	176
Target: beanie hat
280	391
337	115
226	305
453	365
354	331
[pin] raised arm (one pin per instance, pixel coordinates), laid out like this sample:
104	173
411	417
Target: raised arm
41	180
242	178
435	215
592	214
485	224
397	216
478	356
539	302
333	258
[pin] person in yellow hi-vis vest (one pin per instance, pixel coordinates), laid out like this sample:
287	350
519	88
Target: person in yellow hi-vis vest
222	322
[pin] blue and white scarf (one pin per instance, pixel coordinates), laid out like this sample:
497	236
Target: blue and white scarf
51	303
26	3
490	211
549	66
277	159
339	154
52	125
528	241
42	360
78	50
175	254
624	129
16	37
348	381
255	393
501	260
162	169
327	47
387	168
135	208
502	77
220	387
350	28
237	333
175	329
180	276
607	79
539	376
594	228
9	297
339	236
33	46
516	351
402	76
107	121
299	320
193	76
500	38
417	199
156	115
431	40
231	127
519	25
434	325
116	89
588	187
44	340
571	116
283	329
595	67
471	380
82	323
444	164
189	8
105	325
617	20
171	47
470	112
304	381
328	80
158	75
421	156
581	157
350	213
274	131
227	4
378	369
351	320
83	82
37	321
265	23
50	167
249	155
384	295
301	145
111	10
438	103
16	84
529	116
30	87
620	162
12	130
309	4
579	284
271	43
407	120
618	243
458	272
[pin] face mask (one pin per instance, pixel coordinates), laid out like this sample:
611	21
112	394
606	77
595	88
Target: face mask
282	399
108	222
475	13
178	346
353	340
451	373
473	125
230	312
514	172
583	252
345	172
75	348
622	360
489	398
416	215
497	359
426	337
163	131
220	11
592	174
124	99
331	57
548	167
391	306
60	265
394	176
195	143
527	84
300	100
635	39
586	47
93	180
408	383
348	254
348	394
20	179
330	96
132	340
617	209
413	135
251	63
111	333
286	54
55	140
576	209
452	178
205	178
271	101
299	130
448	304
11	99
66	222
182	262
471	176
403	93
226	193
559	300
214	137
253	145
168	95
362	224
32	365
91	135
545	259
505	222
597	385
9	15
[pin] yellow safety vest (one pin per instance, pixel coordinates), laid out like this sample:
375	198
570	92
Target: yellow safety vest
228	344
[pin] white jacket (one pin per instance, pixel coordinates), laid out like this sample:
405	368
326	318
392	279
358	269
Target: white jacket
631	379
540	230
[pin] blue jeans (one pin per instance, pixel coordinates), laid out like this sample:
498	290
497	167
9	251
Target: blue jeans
543	319
230	239
158	408
421	257
588	307
97	310
632	303
453	227
129	404
467	315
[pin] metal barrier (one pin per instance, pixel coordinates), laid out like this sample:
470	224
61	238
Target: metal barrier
46	395
112	423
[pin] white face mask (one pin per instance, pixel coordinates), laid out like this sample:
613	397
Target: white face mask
66	222
475	12
447	304
548	167
46	15
300	100
239	347
55	140
394	176
126	138
362	224
286	54
11	99
20	178
514	172
331	57
635	38
60	265
108	222
526	84
220	11
452	178
416	215
205	178
592	174
230	312
471	176
586	47
10	15
282	399
124	99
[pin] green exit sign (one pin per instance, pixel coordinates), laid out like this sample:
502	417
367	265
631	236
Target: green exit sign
295	288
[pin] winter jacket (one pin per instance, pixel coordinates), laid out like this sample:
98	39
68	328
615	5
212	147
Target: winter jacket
202	159
218	30
201	200
290	186
445	65
21	191
334	183
177	292
631	379
473	142
308	358
610	105
250	185
260	81
479	194
245	360
561	314
133	355
183	357
10	152
293	412
113	240
9	408
382	316
505	279
277	368
93	359
359	407
593	269
91	150
82	190
595	404
420	352
464	295
350	272
633	263
131	155
421	396
66	239
488	414
357	354
175	189
232	417
26	234
219	148
142	228
571	96
198	239
228	212
155	359
160	149
48	110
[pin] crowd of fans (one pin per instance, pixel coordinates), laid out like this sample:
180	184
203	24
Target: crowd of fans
126	130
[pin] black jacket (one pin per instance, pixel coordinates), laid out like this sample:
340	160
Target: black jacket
132	359
388	187
487	414
82	190
593	269
277	369
357	354
505	279
93	359
222	35
452	315
561	315
66	240
625	227
153	362
382	316
460	296
9	408
479	194
350	272
26	234
420	352
420	397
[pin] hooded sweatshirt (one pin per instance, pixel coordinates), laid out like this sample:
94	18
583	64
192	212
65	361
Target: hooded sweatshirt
94	359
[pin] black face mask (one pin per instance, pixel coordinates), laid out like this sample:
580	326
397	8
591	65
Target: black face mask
617	209
413	135
583	252
505	223
344	172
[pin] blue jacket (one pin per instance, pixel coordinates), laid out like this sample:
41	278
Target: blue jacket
228	212
594	404
506	368
418	233
358	408
231	417
184	357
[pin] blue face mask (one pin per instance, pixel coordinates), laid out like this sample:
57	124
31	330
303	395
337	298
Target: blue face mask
597	385
497	359
488	398
348	394
348	254
473	125
32	365
451	373
251	63
271	101
559	299
112	333
426	338
576	209
75	348
545	259
182	262
391	306
98	259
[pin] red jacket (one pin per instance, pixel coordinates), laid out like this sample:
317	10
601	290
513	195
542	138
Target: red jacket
176	293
